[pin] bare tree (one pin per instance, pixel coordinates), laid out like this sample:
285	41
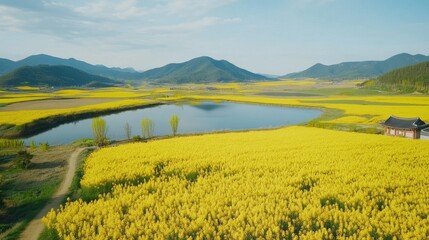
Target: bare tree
127	129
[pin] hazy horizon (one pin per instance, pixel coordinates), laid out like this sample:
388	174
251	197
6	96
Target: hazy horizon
276	37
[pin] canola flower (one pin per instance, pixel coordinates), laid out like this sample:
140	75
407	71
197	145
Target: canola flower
295	182
27	116
112	92
8	98
28	88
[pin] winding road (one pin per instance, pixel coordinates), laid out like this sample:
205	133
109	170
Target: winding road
35	227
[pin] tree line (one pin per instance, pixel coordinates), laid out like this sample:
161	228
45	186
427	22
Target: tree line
99	129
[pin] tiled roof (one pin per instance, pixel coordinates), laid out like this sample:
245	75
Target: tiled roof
405	123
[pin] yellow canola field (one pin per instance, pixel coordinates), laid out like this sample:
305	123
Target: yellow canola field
113	92
27	116
296	181
13	98
28	88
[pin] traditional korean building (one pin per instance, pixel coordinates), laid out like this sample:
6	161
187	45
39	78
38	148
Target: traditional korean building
404	127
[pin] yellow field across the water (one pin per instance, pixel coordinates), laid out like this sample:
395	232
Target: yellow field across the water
373	108
295	181
368	110
26	116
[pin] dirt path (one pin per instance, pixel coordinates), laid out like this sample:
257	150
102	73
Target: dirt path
35	227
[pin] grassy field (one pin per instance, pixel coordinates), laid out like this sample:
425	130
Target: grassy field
292	182
25	191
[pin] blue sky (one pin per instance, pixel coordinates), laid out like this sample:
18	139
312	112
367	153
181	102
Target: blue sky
275	37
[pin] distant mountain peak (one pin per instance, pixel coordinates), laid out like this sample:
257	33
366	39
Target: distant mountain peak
40	59
204	58
202	69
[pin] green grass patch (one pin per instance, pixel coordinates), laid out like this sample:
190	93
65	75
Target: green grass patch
11	143
24	192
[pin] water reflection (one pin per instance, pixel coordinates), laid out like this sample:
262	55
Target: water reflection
208	106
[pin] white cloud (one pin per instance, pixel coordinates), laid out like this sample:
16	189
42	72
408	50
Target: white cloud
114	24
9	20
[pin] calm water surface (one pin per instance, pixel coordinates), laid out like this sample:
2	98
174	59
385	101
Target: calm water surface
204	117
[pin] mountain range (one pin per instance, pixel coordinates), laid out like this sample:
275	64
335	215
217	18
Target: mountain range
359	70
53	76
197	70
7	65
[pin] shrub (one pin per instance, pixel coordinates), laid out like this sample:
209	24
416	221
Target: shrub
136	138
22	160
45	146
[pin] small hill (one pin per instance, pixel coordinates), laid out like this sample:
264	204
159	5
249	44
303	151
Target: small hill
52	76
359	70
409	79
43	59
200	70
